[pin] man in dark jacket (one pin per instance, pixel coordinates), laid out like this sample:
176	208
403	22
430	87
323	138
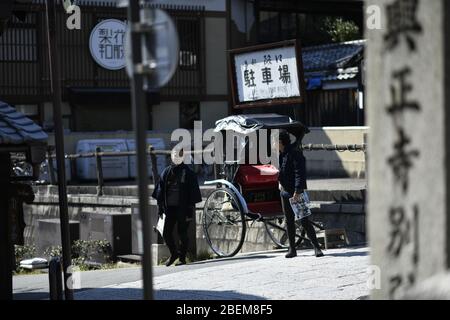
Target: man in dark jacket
292	179
177	192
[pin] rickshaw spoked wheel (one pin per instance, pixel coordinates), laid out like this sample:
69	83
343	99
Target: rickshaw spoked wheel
224	222
276	228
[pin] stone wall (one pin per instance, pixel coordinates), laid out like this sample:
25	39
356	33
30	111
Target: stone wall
350	216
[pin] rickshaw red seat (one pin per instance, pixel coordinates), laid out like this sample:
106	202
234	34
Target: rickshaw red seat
260	180
257	176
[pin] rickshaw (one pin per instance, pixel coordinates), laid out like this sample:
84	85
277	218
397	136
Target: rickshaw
247	192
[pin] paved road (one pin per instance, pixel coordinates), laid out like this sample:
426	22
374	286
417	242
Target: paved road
341	274
36	286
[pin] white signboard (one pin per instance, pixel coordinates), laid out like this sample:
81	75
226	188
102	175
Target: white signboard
267	74
107	44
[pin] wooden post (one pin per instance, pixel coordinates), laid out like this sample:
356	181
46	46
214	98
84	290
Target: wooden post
50	168
154	165
55	279
366	159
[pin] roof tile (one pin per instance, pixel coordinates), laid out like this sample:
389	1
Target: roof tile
16	128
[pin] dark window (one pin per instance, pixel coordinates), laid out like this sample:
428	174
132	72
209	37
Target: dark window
269	26
189	112
189	35
18	42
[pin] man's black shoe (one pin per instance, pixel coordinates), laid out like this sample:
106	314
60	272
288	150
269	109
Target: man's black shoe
291	253
180	262
171	260
318	252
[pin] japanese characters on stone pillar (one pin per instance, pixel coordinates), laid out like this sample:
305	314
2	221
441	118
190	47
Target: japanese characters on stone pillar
408	180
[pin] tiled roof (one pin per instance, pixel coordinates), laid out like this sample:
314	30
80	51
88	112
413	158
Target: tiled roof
342	74
16	128
331	56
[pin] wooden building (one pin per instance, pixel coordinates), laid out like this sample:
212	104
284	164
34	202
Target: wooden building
199	89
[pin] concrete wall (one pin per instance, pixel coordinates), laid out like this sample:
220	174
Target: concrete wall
348	216
71	139
333	163
319	163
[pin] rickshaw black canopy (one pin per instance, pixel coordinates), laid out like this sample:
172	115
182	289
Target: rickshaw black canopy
248	123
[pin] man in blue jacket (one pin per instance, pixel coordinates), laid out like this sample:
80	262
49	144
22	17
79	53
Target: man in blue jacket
292	179
177	192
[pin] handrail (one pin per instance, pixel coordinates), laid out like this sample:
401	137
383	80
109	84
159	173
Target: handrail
98	154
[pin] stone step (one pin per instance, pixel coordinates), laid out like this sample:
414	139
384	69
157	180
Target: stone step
337	207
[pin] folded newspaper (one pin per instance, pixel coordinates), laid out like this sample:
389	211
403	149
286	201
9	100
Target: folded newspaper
160	224
301	208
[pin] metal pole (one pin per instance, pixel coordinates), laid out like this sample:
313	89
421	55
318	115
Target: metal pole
140	119
6	246
59	143
99	167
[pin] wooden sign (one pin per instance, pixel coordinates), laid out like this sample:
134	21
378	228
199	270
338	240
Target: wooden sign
267	75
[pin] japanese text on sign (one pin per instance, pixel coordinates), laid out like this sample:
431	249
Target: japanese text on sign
267	74
107	44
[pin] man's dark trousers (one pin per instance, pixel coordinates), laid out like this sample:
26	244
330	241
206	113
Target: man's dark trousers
176	216
290	224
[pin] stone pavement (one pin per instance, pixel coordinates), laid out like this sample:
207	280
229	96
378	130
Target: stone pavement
340	274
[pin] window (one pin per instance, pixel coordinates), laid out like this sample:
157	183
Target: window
269	26
189	112
189	37
28	110
19	41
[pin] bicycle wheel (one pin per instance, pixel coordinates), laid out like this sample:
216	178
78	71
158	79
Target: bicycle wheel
276	228
224	223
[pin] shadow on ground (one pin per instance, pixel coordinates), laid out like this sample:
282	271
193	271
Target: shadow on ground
249	257
346	254
31	296
136	294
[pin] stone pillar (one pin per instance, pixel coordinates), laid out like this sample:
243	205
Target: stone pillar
408	91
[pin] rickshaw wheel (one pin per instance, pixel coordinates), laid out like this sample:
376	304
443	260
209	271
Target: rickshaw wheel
224	223
276	228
